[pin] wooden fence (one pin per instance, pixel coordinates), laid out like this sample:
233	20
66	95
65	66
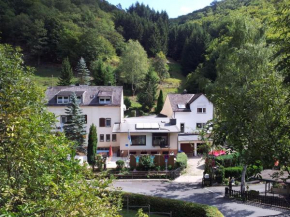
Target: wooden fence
256	197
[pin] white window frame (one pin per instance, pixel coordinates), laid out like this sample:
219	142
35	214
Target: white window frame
104	100
202	125
67	99
203	110
106	122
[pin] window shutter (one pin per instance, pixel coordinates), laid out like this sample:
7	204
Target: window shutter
102	122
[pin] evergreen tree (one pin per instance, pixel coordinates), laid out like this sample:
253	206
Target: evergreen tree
102	74
160	102
83	72
92	146
147	94
66	74
127	102
74	128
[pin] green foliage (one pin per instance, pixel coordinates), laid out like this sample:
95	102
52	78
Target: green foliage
36	177
120	164
147	95
229	160
134	64
181	160
140	213
83	72
75	128
103	74
92	146
220	174
66	74
234	172
145	163
178	207
127	102
160	102
160	66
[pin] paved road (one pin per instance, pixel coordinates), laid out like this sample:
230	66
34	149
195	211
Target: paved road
194	193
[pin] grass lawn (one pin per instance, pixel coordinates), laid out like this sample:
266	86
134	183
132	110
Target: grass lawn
132	213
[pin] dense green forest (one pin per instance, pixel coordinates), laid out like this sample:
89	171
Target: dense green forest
50	31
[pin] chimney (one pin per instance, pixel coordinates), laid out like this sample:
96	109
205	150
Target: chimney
184	91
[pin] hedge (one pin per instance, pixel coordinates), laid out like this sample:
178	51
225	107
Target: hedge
236	172
181	160
229	160
178	207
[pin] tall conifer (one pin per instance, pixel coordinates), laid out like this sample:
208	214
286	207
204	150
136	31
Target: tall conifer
92	146
66	74
83	72
159	102
75	126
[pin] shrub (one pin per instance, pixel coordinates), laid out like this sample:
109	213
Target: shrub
145	162
178	207
254	169
235	172
120	164
181	160
230	160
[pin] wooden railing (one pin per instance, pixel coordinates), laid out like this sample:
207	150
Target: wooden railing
256	197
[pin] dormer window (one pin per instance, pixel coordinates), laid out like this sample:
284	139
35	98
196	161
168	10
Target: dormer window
62	100
105	100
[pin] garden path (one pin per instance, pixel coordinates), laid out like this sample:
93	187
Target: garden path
193	172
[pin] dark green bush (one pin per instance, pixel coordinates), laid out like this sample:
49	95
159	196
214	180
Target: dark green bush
181	160
234	172
120	164
230	160
178	207
254	169
127	102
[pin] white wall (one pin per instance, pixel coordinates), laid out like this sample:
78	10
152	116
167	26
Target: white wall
191	118
93	114
124	140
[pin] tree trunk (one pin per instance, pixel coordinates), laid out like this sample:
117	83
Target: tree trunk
243	179
133	90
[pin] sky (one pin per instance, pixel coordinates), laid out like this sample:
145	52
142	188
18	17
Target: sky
174	8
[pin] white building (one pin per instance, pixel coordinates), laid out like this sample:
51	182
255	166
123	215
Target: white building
147	135
101	105
192	112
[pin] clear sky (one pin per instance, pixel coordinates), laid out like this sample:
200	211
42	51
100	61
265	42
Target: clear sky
174	8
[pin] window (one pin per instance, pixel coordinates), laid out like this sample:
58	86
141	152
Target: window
108	122
105	122
138	140
105	100
153	152
160	139
114	137
200	125
143	152
63	119
165	152
66	99
108	137
101	137
62	100
182	127
201	110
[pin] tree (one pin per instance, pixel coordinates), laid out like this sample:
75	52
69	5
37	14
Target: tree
134	64
102	74
74	128
147	95
31	152
160	102
247	95
127	102
66	74
83	72
92	146
160	66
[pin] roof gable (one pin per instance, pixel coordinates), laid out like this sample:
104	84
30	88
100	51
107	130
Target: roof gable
182	99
